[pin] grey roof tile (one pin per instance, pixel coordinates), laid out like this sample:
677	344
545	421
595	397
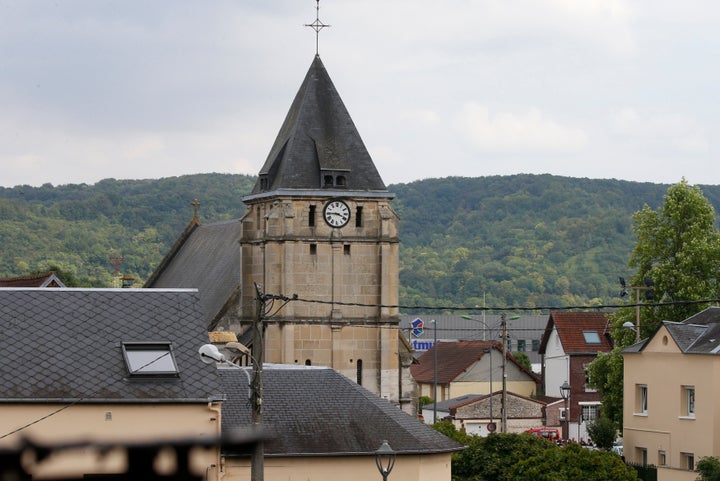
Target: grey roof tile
208	259
317	411
63	345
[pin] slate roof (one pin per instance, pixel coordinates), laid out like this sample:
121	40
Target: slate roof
451	405
698	334
44	279
205	257
454	358
571	325
318	135
61	345
315	411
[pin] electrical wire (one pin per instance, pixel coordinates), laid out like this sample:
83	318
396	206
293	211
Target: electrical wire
595	307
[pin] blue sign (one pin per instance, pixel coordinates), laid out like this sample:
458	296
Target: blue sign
418	327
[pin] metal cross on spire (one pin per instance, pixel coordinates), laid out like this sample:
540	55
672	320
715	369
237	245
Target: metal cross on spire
317	25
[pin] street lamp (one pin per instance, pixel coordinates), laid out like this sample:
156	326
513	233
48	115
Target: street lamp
649	295
565	393
491	389
385	459
435	361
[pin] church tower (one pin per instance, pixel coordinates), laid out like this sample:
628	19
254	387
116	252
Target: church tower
320	226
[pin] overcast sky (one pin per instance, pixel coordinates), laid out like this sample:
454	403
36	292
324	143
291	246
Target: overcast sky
134	89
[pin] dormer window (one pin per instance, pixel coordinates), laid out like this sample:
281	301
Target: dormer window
334	179
263	182
149	359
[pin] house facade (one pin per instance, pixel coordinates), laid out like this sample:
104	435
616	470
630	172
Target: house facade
105	368
671	417
469	368
570	343
475	413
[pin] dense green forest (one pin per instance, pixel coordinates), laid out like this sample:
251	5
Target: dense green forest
520	240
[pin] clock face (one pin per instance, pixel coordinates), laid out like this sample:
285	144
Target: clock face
337	213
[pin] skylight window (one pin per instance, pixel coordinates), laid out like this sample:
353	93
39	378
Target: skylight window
591	337
149	359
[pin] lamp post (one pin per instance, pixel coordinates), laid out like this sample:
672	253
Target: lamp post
503	402
565	393
491	389
385	459
435	361
649	295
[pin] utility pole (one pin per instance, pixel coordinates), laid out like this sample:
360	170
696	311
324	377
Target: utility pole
649	295
503	413
257	465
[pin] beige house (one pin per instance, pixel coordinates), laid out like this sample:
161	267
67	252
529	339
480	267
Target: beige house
324	427
319	230
671	415
467	368
105	367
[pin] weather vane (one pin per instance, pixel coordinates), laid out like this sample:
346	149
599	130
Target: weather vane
317	25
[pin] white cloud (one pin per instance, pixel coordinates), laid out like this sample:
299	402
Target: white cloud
513	133
661	130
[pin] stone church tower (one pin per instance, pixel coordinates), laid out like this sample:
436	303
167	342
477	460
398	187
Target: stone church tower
320	226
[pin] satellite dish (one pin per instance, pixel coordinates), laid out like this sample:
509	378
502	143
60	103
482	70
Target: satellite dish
210	354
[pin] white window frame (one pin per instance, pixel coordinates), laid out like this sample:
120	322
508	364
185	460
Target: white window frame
592	410
688	402
641	400
149	359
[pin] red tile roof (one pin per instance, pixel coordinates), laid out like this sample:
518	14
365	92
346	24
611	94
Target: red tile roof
45	279
571	328
454	358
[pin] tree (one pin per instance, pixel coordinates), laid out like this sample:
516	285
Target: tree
605	373
493	457
603	432
523	359
522	457
678	247
709	469
571	463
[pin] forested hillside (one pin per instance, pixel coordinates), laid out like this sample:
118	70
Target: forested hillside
521	240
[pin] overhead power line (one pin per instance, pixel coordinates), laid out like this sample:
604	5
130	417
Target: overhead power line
295	298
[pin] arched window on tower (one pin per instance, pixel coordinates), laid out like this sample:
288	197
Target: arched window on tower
359	367
340	181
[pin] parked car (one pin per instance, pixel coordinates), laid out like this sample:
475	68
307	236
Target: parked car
618	447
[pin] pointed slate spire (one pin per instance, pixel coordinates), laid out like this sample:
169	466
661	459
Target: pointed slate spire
318	146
